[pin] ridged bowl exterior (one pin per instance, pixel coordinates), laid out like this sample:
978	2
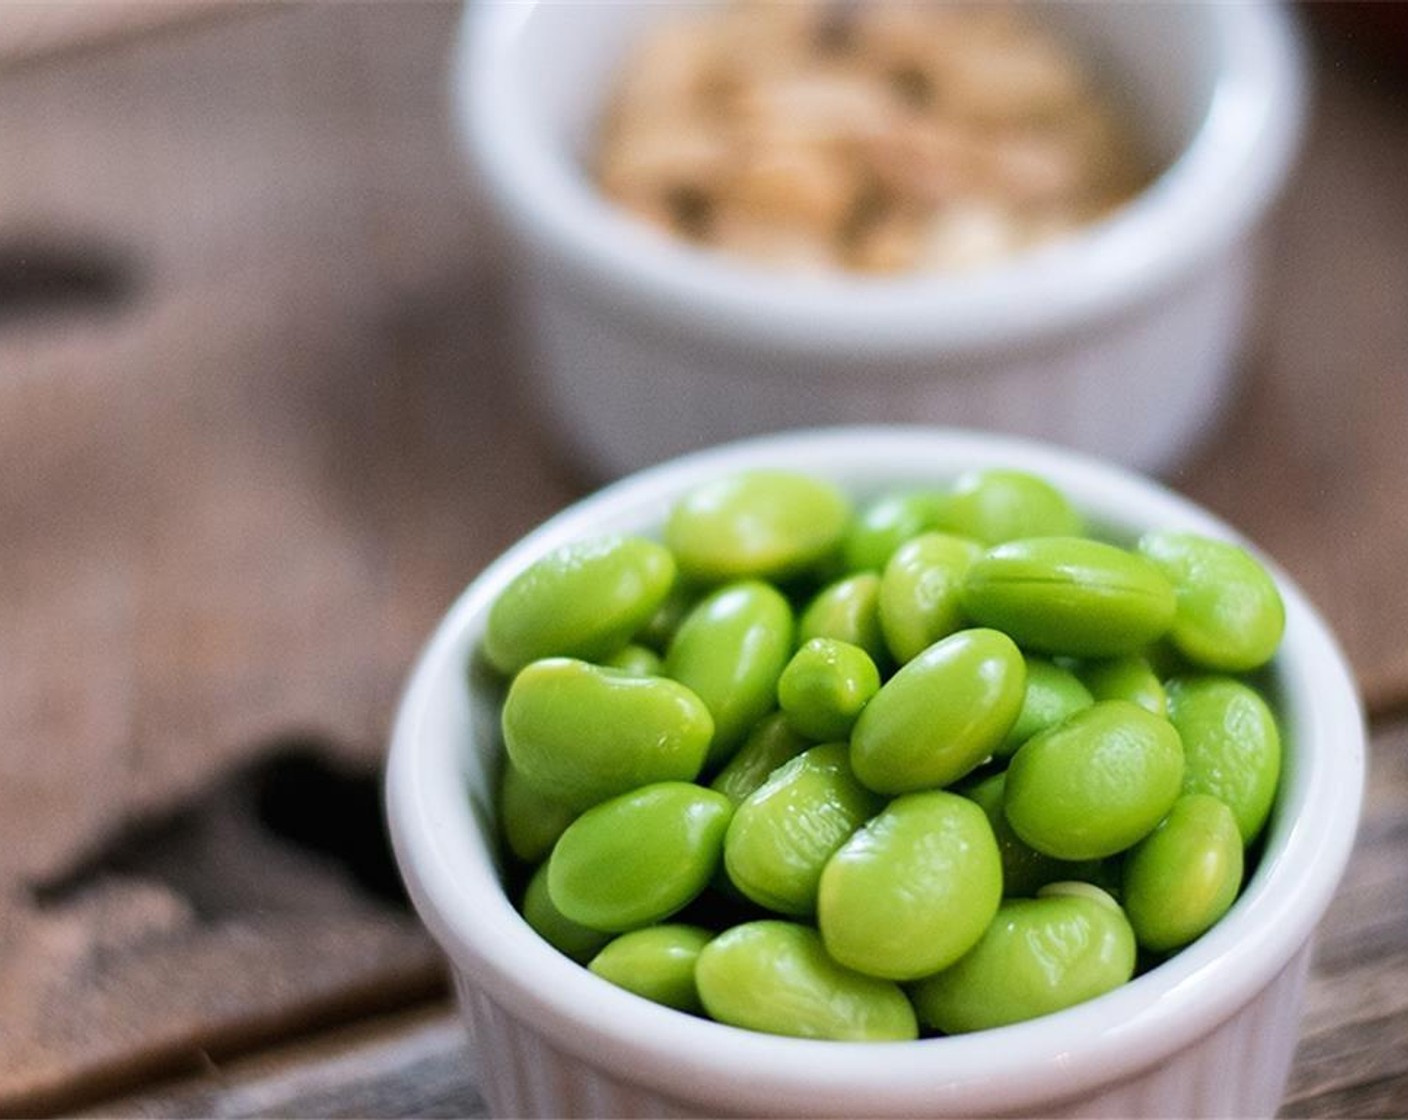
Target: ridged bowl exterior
1209	1032
1139	390
1238	1069
1120	341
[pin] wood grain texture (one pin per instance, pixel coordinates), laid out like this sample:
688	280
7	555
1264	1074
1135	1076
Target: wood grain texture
261	418
1352	1060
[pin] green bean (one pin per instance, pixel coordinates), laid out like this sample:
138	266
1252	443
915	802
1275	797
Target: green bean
1096	783
913	890
582	600
941	715
579	733
763	524
776	976
1230	616
639	857
729	651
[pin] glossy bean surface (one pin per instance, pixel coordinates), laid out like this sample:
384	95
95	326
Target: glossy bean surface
1129	678
582	600
1232	744
782	835
913	890
530	822
940	715
776	976
764	524
579	733
1096	783
771	743
849	611
729	651
570	938
1230	615
639	857
1039	955
920	592
657	963
1024	869
1070	595
825	686
1052	693
636	660
993	505
886	522
1182	877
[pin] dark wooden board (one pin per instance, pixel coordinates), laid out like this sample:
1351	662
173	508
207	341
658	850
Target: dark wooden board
1352	1060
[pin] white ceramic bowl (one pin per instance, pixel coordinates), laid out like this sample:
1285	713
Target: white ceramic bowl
1120	341
1211	1032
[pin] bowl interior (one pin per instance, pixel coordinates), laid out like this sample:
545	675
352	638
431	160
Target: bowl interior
444	764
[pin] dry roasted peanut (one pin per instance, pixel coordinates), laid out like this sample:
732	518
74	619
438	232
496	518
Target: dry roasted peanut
969	234
924	161
879	137
828	106
1035	168
1016	78
802	187
764	242
656	159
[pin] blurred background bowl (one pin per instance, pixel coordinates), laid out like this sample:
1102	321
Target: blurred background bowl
1210	1032
1120	341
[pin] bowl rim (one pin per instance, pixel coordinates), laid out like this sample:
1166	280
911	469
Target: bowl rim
1197	208
448	869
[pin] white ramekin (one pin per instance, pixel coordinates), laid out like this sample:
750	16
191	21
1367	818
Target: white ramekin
1120	341
1209	1033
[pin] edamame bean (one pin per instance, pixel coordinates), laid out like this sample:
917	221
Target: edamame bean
776	976
771	743
1052	694
885	523
1096	783
1024	869
849	611
913	890
656	962
572	939
1069	595
940	715
1038	955
729	651
1232	746
782	835
1230	616
993	505
825	687
658	631
920	590
636	661
582	600
579	733
1129	678
765	524
1182	877
530	822
639	857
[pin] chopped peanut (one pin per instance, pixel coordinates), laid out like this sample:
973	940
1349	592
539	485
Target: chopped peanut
878	137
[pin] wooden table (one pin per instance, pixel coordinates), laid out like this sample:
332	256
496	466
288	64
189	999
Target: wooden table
260	419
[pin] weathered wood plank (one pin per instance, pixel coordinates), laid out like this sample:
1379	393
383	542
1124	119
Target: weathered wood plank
262	418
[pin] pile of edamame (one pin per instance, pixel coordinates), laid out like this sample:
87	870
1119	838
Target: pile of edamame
932	762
